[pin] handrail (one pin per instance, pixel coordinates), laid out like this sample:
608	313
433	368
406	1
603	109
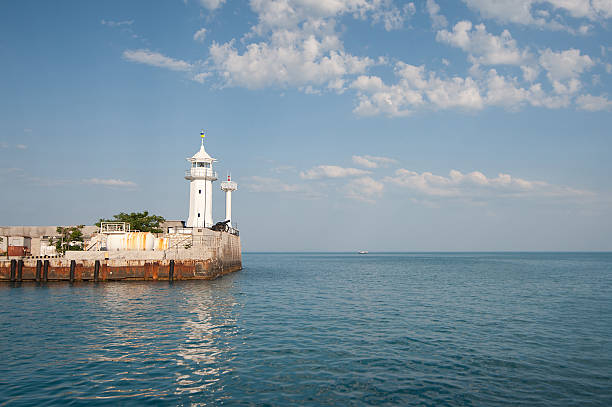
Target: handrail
93	243
201	172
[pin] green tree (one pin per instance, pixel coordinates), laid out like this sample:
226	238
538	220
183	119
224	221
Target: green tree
70	238
138	221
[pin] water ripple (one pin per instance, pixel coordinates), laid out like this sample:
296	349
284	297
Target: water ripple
321	329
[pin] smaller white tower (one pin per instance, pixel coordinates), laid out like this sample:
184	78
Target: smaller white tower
228	186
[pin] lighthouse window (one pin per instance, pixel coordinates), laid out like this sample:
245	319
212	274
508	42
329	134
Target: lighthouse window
199	191
198	214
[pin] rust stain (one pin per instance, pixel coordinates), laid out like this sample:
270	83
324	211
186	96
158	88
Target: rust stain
59	270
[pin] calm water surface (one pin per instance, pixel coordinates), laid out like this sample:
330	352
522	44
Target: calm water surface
321	329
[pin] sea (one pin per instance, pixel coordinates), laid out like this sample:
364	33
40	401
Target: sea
314	329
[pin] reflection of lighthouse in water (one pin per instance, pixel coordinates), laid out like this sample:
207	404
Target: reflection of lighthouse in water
206	352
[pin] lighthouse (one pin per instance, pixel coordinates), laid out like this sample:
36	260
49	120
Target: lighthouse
200	176
228	186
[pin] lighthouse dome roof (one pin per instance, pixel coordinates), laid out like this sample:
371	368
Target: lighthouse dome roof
201	155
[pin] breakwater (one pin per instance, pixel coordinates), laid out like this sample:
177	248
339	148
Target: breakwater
205	258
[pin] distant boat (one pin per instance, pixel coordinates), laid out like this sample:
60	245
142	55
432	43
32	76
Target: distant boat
363	252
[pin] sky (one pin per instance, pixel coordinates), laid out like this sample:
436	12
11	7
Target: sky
378	125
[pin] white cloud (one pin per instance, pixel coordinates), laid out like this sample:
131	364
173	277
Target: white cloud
283	168
364	162
369	161
275	185
212	4
502	91
21	146
369	84
200	35
603	8
563	68
475	184
300	45
117	23
109	182
201	77
305	61
289	14
391	16
516	11
364	189
563	65
415	88
267	184
530	73
536	12
483	47
331	171
593	103
592	9
437	20
505	91
147	57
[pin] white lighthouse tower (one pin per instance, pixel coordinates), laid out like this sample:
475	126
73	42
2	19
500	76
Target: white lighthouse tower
201	177
228	186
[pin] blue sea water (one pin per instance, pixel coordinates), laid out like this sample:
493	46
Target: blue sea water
321	329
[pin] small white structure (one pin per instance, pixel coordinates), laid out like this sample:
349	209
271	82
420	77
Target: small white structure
47	248
228	186
201	177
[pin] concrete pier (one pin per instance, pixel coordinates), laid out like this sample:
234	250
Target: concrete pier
211	255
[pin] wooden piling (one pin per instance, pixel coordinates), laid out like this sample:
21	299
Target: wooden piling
72	267
46	271
96	271
171	271
13	268
38	270
20	271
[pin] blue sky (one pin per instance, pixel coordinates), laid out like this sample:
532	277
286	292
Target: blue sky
348	124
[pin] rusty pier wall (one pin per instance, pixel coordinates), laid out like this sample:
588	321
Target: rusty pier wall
218	255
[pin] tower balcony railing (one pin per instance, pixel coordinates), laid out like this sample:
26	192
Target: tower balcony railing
201	172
